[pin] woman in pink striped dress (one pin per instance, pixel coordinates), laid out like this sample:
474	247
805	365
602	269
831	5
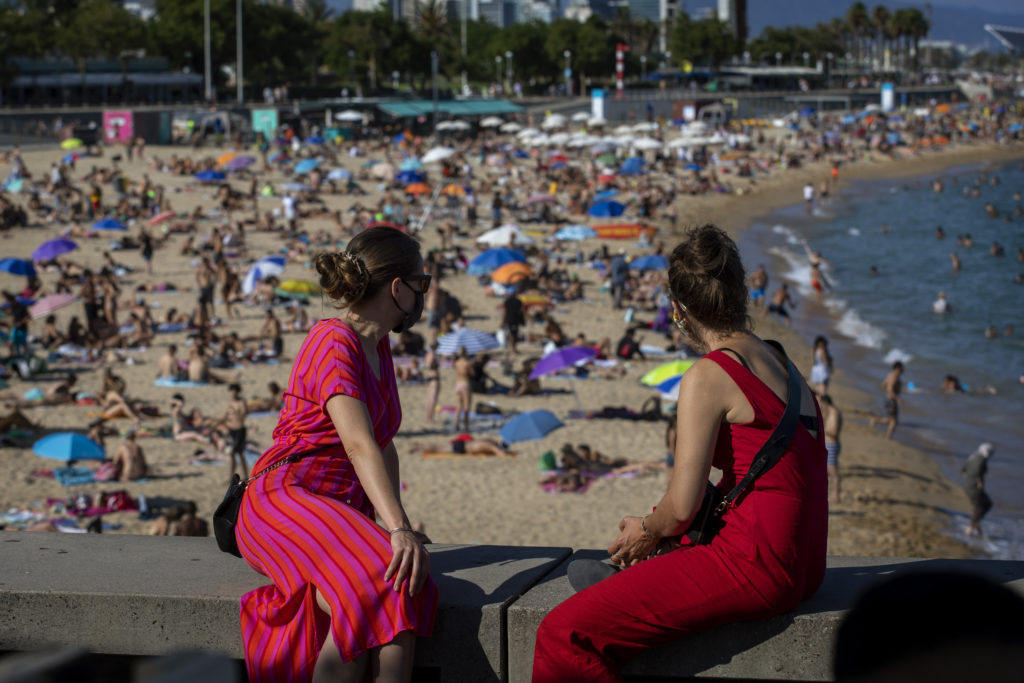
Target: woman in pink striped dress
348	595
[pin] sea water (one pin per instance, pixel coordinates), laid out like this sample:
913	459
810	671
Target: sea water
873	320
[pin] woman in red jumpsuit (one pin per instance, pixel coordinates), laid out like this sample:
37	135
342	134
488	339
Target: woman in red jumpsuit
770	551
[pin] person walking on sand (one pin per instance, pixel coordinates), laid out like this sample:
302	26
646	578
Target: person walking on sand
809	196
432	373
233	420
821	370
833	420
974	470
205	281
780	297
892	385
463	388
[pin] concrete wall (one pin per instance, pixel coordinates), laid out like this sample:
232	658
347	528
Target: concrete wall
143	595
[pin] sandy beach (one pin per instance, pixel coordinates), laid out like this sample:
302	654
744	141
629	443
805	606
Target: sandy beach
894	498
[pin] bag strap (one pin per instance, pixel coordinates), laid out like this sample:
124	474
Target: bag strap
775	447
287	460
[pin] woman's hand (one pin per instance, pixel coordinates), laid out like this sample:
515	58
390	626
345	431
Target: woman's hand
632	545
410	562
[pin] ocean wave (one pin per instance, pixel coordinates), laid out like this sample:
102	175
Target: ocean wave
860	331
896	354
854	231
792	237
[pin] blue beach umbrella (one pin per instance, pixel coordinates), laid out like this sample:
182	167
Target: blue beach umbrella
306	165
315	140
18	266
492	259
606	209
210	176
53	248
474	341
109	224
635	161
277	157
575	233
409	177
68	446
649	262
296	187
691	167
339	174
410	164
607	194
530	426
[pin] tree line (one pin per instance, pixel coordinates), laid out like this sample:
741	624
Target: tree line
371	51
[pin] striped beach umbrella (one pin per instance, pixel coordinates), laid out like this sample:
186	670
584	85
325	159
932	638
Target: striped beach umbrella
474	341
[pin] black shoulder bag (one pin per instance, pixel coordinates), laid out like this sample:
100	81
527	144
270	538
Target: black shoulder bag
708	520
225	517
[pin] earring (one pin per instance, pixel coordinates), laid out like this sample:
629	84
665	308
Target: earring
680	324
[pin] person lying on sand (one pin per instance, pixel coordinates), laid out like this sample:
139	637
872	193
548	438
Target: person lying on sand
464	444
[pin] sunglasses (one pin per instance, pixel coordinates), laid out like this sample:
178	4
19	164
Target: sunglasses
424	280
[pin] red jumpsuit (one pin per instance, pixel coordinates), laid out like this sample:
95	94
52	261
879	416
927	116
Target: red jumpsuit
768	556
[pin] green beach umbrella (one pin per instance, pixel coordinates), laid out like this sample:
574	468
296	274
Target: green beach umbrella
667	371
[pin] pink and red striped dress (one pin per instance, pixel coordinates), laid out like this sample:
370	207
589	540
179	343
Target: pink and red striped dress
310	524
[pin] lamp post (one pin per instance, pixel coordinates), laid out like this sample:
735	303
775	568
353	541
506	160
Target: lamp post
207	70
352	69
508	68
497	71
643	67
807	59
239	90
778	59
568	72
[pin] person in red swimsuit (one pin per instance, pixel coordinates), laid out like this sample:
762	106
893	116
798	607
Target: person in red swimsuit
349	595
770	551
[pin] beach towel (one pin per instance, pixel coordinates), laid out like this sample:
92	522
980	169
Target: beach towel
168	382
74	476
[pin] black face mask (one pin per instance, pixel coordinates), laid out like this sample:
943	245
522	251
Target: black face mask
410	317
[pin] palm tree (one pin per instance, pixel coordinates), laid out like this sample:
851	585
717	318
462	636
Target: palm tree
317	13
918	27
859	22
880	22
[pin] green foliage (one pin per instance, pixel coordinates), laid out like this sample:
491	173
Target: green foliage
708	42
792	42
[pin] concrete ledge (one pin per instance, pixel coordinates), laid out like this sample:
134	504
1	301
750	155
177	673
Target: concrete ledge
143	595
794	646
140	595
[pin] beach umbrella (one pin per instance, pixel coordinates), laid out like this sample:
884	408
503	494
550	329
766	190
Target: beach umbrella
597	122
491	122
580	116
492	259
386	224
109	224
18	266
74	156
265	267
68	446
606	177
350	115
542	198
210	176
670	387
607	158
511	272
53	248
160	218
510	127
315	140
691	167
49	304
296	187
239	164
649	262
437	154
459	125
226	157
278	157
339	174
561	359
72	143
474	341
607	194
407	177
410	164
606	209
504	235
666	371
297	289
417	188
647	144
575	233
530	426
454	190
553	121
306	165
